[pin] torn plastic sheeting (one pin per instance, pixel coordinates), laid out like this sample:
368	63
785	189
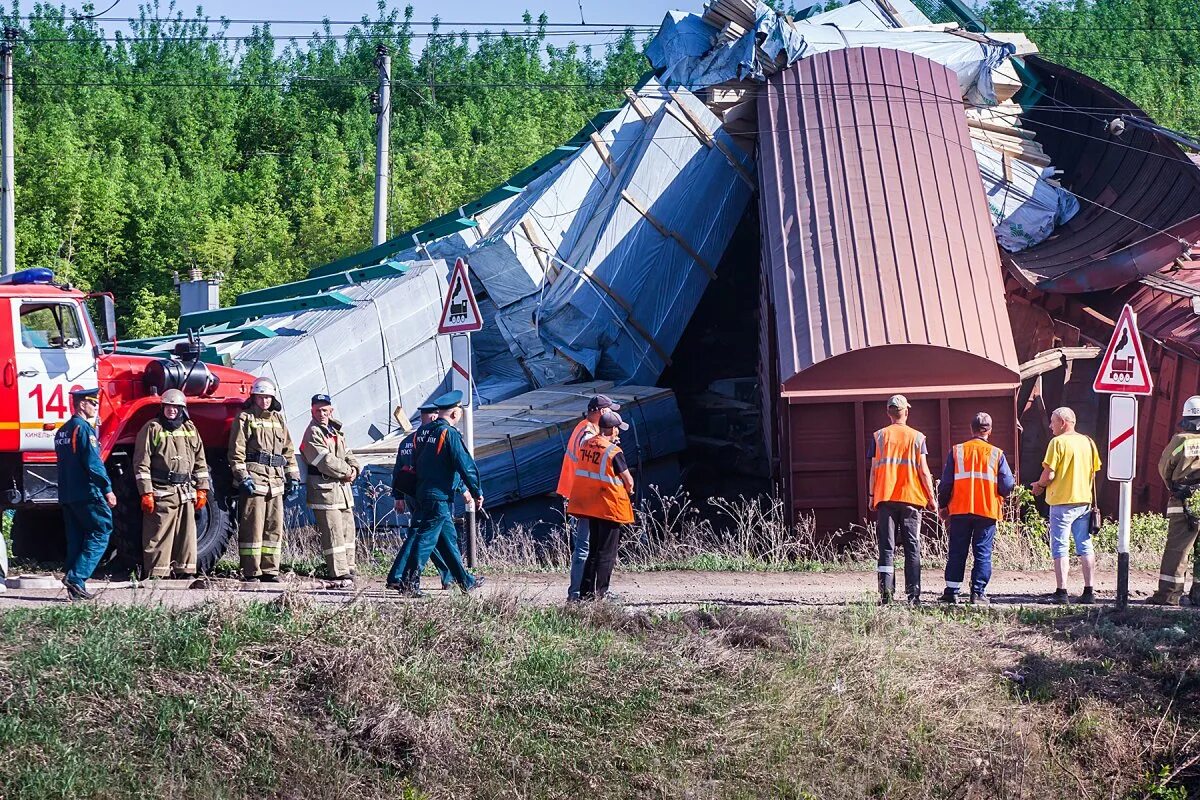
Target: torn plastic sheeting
381	353
739	59
651	273
870	15
1027	209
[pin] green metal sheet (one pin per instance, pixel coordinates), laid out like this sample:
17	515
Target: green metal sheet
322	283
291	305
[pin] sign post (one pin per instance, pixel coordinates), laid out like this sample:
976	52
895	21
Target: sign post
461	318
1123	374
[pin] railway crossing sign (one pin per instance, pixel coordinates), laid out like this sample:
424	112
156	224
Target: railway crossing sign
1122	436
460	312
1124	369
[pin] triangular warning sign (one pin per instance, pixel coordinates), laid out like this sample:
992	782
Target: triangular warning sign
1124	369
460	312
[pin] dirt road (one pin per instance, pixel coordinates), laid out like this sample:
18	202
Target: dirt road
637	589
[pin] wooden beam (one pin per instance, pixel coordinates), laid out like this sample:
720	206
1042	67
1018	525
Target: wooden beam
549	268
670	234
1000	129
693	123
638	106
606	156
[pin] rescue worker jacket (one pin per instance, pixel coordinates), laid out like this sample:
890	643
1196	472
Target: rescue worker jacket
597	490
1179	465
82	477
260	447
975	480
331	466
896	466
170	463
442	463
571	456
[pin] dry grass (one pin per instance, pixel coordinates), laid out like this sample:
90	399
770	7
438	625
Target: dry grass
484	699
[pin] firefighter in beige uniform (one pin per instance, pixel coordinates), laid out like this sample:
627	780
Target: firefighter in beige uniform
263	462
331	470
172	478
1179	467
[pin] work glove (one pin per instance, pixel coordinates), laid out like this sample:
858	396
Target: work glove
201	498
248	486
147	504
291	487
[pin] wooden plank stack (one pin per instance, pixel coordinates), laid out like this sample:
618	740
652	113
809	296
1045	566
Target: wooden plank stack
1000	128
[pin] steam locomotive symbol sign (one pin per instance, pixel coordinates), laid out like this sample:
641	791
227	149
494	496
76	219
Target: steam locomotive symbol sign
460	312
1124	369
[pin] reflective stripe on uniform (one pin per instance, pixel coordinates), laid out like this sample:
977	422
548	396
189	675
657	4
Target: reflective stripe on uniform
269	422
200	475
953	584
142	476
251	550
596	476
316	462
912	462
341	548
1171	579
886	569
1174	509
270	548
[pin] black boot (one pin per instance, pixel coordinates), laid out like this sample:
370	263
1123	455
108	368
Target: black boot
887	587
949	597
1194	594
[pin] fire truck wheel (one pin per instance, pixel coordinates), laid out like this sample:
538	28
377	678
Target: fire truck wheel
38	535
216	523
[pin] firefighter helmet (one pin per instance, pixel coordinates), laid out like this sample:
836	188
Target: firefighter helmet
1192	407
264	386
173	397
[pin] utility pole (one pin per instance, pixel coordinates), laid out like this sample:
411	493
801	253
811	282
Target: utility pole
8	244
383	129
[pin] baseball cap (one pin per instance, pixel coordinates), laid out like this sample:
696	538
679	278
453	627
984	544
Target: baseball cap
322	400
428	408
981	421
898	401
611	419
601	402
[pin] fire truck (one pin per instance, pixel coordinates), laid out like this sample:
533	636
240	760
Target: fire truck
49	346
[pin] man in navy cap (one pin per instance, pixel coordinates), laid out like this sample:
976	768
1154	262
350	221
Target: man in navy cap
84	491
405	501
332	469
439	456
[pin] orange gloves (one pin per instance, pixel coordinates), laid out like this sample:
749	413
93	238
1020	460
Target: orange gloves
201	498
147	504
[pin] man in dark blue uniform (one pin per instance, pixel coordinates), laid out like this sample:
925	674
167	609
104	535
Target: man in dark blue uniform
440	459
84	491
404	501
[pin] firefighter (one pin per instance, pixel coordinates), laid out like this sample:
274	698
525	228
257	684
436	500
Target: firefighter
331	470
900	487
172	478
601	492
405	501
440	459
263	462
85	492
588	427
1179	467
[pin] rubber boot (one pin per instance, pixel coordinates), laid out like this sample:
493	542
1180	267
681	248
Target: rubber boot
1194	594
887	587
1161	598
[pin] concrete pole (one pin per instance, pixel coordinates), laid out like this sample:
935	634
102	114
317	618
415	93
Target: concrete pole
8	243
383	130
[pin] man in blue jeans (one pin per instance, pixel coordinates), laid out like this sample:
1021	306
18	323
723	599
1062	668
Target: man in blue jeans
403	502
84	491
588	427
1068	476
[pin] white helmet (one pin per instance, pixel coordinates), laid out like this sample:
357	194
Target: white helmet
264	386
1192	407
173	397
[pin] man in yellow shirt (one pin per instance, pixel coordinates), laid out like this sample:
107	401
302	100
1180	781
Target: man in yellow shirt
1068	471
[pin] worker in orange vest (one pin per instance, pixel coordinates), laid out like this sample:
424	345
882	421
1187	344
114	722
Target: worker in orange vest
900	487
588	427
974	481
601	492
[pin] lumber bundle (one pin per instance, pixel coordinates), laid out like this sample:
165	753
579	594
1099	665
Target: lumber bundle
1000	128
739	14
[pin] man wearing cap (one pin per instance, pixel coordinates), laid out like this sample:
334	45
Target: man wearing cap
440	457
1179	468
900	487
406	502
601	493
332	468
587	427
974	480
171	473
84	491
263	462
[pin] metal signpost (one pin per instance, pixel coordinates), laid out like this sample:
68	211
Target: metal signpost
1123	374
461	318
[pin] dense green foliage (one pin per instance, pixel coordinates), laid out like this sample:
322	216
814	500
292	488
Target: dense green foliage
1145	49
178	145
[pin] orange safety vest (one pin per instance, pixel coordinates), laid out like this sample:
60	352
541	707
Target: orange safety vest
896	467
597	491
571	457
976	469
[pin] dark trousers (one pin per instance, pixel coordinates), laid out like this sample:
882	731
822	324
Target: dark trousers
903	521
604	537
434	523
88	527
968	531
